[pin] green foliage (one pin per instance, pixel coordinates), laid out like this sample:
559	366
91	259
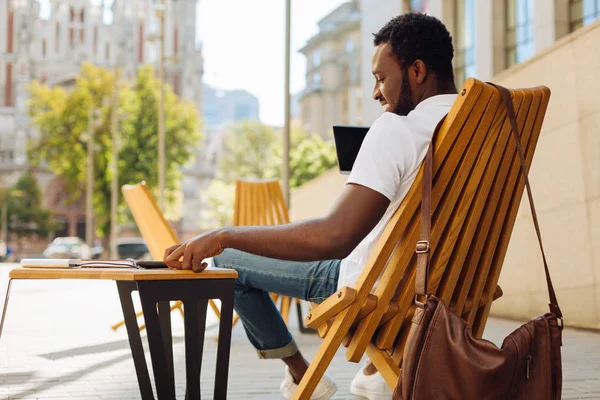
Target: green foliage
25	215
249	152
220	197
61	116
253	151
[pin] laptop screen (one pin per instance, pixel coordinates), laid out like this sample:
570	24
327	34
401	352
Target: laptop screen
348	140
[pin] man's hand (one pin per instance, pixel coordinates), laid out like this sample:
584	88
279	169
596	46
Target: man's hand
194	252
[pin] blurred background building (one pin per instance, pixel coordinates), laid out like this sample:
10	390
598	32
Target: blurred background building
48	40
333	90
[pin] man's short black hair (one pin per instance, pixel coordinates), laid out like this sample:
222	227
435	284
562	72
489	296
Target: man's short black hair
416	36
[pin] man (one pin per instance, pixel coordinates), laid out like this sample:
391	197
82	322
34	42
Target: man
414	83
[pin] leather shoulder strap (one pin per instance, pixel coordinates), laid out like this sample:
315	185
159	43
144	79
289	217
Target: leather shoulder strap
423	245
507	99
422	250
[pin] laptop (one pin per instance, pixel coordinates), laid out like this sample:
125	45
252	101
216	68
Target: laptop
348	140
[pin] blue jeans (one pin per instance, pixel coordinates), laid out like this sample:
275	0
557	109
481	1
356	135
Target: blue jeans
257	277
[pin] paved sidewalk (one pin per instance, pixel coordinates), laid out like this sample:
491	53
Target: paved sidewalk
58	344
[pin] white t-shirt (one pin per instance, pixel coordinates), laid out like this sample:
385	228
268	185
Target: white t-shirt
388	162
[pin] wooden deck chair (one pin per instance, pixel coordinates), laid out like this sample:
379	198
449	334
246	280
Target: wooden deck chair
156	231
259	203
477	189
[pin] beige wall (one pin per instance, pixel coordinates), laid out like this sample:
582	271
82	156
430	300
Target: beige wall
315	198
565	177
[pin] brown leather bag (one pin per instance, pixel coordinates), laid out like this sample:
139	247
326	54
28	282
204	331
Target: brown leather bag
442	359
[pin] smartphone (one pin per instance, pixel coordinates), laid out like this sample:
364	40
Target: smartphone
151	264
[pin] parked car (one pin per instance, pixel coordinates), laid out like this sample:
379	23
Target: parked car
97	250
134	248
68	247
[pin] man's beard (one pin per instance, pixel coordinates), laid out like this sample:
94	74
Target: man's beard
404	105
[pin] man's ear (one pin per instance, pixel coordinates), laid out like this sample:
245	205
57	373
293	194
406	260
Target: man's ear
419	71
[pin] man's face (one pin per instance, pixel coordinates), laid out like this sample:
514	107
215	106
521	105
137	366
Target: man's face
392	87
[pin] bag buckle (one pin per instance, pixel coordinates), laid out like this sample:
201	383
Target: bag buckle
419	303
422	247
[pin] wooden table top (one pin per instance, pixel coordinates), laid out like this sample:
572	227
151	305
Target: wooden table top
120	274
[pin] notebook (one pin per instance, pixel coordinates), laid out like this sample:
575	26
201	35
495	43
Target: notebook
78	263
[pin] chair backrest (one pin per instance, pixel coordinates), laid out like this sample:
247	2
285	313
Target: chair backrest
155	229
259	202
477	190
256	203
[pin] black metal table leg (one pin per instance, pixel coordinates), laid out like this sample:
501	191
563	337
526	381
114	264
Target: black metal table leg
135	340
226	289
165	385
164	316
194	294
195	323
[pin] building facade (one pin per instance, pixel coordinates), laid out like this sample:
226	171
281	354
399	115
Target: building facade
489	36
47	40
333	91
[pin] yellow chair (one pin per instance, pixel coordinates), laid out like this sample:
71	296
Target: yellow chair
259	203
477	188
156	231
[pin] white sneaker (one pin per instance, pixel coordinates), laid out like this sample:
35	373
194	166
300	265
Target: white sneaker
324	391
371	387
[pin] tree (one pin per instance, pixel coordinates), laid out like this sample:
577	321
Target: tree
253	151
26	217
61	116
249	152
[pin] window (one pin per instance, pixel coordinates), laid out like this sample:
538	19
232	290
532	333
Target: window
464	61
95	43
176	42
349	46
45	9
141	42
43	48
316	59
107	51
8	88
57	37
417	6
583	12
108	14
519	31
316	78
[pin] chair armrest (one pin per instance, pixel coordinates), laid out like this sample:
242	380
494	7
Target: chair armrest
333	305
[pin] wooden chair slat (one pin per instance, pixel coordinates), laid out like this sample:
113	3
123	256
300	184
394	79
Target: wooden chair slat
479	323
500	196
498	177
493	150
451	178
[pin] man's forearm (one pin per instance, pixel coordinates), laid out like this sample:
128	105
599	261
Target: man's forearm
302	241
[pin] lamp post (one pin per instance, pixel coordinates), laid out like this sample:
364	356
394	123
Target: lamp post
114	184
286	124
160	14
89	192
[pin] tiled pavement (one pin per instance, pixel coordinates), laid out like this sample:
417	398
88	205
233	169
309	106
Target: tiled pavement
58	344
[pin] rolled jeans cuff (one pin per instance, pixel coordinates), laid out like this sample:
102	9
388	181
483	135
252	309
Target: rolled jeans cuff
286	351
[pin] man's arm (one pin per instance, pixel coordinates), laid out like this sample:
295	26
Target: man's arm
334	236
